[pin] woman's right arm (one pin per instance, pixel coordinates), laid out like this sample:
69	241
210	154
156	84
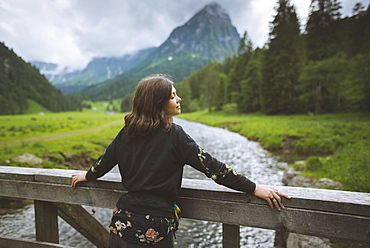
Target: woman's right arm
224	175
271	195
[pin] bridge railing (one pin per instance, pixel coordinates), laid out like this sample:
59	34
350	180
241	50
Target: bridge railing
333	214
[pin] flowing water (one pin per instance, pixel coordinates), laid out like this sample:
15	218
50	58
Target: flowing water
245	156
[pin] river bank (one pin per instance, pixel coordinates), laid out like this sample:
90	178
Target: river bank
336	145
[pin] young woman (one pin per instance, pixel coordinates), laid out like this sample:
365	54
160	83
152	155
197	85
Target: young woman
151	151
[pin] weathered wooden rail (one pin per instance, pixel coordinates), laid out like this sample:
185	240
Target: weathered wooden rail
340	215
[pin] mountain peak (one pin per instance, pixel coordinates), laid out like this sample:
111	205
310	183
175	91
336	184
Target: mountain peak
214	9
208	35
212	12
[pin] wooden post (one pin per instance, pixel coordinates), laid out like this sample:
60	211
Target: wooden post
230	236
46	219
280	239
83	222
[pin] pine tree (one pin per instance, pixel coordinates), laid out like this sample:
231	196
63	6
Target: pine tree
322	31
220	95
126	103
251	85
282	62
357	84
236	74
321	84
211	78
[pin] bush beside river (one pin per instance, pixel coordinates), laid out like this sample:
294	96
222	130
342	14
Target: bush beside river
337	145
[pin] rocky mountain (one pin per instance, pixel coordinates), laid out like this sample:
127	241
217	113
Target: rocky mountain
208	35
98	70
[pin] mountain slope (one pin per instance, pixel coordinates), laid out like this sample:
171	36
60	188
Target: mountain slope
98	70
20	81
208	35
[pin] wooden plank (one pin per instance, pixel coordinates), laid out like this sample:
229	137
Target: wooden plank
357	203
8	242
326	213
316	199
85	223
333	201
57	176
308	198
230	236
310	222
109	181
46	220
60	193
258	215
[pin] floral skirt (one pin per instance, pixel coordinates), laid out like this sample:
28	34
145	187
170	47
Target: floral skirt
142	228
116	242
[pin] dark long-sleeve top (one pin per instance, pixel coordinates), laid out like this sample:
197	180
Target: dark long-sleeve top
153	165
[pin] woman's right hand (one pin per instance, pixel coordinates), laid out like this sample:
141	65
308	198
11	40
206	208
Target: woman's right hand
76	178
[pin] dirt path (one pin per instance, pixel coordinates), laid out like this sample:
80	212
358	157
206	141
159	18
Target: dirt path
58	135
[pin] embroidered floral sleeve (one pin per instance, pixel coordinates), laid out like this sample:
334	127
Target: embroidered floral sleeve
103	164
220	172
202	155
96	163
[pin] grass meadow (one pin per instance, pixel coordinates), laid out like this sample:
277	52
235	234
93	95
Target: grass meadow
337	145
63	140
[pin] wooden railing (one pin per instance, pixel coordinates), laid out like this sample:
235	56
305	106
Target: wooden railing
332	214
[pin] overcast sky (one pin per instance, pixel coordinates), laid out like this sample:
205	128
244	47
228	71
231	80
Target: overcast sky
72	32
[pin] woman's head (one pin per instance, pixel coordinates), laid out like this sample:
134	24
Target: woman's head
152	95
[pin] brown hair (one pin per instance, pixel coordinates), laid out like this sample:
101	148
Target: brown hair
151	96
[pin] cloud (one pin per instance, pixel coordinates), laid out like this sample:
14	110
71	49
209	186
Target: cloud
72	32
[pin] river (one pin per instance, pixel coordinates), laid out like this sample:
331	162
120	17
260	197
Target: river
246	157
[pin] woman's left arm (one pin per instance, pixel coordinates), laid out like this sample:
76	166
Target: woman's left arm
76	178
100	167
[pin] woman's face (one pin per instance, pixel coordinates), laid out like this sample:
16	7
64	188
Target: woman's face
173	107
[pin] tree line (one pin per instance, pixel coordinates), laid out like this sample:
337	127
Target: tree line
322	68
20	81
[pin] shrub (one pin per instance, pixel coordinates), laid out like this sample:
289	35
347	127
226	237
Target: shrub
231	108
313	164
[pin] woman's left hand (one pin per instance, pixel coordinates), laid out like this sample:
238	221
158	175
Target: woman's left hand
271	195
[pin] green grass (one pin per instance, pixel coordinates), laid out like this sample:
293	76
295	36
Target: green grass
83	148
341	141
62	140
30	125
103	105
34	107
